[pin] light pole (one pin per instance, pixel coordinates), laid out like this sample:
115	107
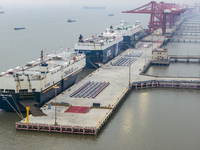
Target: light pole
129	69
55	87
152	35
145	46
157	39
157	33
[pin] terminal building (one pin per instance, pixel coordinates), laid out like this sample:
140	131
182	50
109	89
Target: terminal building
159	54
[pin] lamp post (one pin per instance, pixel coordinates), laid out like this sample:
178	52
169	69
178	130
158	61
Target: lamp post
145	46
152	35
55	87
157	33
129	69
156	76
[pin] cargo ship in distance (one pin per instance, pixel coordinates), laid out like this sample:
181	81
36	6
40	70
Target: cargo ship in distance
21	28
101	49
70	20
34	84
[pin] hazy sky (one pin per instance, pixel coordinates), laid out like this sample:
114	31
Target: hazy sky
88	2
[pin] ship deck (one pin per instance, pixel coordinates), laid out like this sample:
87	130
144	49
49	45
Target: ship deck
34	68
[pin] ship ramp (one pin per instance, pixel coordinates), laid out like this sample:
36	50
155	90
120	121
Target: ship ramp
35	111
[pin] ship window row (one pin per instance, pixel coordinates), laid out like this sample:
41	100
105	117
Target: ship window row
13	91
68	71
10	91
47	85
65	66
54	71
76	69
7	90
23	91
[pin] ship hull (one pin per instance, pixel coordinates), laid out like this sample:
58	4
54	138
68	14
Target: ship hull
8	101
129	40
133	38
95	57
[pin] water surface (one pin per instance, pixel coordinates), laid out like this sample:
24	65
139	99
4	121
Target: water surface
150	119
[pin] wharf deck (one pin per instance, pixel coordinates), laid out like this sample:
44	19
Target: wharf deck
186	31
183	57
185	37
186	27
